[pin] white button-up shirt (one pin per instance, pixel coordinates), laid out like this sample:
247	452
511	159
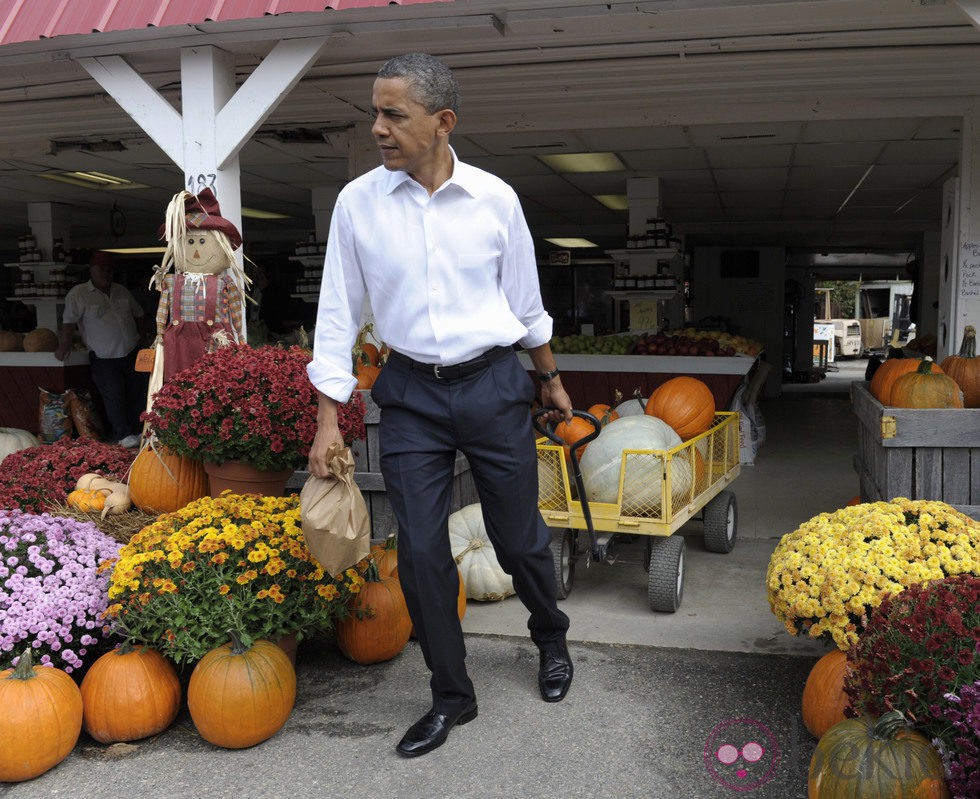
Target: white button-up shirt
107	323
448	276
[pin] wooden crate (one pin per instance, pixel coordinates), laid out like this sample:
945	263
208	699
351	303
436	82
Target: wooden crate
917	453
367	475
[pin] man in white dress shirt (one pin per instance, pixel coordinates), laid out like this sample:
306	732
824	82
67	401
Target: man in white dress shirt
444	253
108	318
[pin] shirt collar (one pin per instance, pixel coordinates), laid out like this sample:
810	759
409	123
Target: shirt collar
463	176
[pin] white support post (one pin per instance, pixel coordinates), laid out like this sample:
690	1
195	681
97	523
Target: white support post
148	108
207	77
217	120
965	283
261	93
643	199
972	9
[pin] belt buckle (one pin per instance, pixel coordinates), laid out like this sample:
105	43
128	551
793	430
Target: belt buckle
435	371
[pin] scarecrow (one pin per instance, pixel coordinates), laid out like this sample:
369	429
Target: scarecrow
201	302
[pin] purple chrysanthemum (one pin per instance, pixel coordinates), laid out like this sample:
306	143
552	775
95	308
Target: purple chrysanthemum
52	593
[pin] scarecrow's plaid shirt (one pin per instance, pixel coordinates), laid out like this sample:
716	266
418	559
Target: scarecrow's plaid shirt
191	308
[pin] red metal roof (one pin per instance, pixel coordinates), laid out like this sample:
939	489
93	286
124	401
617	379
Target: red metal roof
29	20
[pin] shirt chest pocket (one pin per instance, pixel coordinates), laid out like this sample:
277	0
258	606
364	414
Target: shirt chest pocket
476	271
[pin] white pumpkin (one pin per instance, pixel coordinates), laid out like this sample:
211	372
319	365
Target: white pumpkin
642	487
632	407
13	439
482	575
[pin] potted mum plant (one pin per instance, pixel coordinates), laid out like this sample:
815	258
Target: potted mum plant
826	577
245	405
230	562
52	588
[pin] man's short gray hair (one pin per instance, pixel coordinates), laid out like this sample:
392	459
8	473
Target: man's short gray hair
433	83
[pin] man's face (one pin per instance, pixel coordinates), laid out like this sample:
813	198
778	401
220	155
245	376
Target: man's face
203	254
100	275
405	133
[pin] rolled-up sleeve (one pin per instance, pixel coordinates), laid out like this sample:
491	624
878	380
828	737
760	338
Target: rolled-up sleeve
519	280
338	312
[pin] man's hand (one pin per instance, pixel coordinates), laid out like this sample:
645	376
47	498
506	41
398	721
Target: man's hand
321	449
327	434
553	395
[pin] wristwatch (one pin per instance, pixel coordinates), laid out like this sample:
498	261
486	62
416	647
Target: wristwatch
544	377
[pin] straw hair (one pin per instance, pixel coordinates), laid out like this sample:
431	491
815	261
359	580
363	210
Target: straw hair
175	232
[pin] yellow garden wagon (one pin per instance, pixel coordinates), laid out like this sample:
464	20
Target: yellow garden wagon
711	460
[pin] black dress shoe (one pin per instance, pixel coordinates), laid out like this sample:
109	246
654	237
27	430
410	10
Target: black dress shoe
431	731
555	673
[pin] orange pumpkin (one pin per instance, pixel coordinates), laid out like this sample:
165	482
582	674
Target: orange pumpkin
964	368
685	403
129	694
41	719
162	481
572	431
892	369
378	626
372	353
824	699
386	556
239	696
604	413
86	499
366	374
925	388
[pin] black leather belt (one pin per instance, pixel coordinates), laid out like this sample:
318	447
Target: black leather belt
453	371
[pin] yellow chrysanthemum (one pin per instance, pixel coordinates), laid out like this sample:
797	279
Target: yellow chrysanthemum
827	575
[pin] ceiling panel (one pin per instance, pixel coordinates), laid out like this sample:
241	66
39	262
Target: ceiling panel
835	154
767	155
750	179
754	114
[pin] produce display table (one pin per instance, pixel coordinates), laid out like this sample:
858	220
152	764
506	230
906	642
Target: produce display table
22	374
594	378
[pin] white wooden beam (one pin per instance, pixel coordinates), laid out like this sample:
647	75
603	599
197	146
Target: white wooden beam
141	101
261	93
207	83
972	9
965	283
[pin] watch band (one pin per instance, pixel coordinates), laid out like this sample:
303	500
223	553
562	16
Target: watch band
544	377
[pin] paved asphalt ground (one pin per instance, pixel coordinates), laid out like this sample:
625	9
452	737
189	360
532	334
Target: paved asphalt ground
654	695
635	724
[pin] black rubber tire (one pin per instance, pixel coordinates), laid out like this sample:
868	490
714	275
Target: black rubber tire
563	557
665	578
720	518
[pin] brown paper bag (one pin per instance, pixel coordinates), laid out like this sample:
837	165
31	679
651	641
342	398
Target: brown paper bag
336	524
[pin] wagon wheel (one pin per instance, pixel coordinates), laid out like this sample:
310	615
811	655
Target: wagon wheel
665	579
563	555
721	523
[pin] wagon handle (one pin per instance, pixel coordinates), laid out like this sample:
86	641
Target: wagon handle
573	456
549	432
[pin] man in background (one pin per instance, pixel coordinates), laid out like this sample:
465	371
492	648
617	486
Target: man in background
108	317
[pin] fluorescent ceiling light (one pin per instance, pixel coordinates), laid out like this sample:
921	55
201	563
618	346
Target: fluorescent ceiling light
584	162
615	202
255	213
92	180
135	250
572	243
